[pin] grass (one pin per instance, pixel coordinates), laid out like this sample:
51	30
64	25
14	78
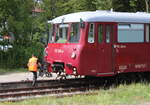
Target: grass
4	71
122	95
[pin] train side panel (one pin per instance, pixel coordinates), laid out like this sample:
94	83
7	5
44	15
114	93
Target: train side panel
132	57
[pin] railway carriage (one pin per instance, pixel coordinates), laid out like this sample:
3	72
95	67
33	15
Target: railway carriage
99	43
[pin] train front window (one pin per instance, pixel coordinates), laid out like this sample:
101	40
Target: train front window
61	33
74	33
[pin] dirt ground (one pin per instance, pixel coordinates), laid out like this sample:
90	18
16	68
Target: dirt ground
21	76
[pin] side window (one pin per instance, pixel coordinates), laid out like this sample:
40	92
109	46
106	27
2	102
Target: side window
100	33
130	33
108	33
91	34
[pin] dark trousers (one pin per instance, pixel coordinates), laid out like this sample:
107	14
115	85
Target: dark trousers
34	77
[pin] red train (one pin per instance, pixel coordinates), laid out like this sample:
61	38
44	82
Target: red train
99	43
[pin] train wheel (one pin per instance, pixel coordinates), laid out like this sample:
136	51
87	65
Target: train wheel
48	74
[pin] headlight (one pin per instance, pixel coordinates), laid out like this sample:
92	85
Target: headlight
74	71
73	55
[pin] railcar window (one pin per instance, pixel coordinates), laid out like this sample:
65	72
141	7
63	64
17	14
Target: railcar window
130	33
108	33
100	33
62	33
91	36
74	33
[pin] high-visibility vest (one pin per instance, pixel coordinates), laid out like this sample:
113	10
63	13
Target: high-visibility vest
32	64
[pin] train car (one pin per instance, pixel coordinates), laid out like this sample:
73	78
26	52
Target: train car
99	43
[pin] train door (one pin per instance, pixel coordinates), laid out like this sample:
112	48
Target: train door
105	33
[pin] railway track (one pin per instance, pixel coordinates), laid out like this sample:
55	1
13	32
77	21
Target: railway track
23	90
15	91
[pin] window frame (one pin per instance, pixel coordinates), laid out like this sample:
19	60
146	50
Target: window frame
58	29
147	33
94	35
102	34
79	33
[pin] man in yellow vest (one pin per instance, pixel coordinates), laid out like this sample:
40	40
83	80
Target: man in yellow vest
33	67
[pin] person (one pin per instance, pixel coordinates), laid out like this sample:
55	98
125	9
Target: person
33	64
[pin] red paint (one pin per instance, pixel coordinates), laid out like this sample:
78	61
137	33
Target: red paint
100	59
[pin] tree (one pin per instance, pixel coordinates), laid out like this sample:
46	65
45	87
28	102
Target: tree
137	5
104	4
147	3
83	5
16	18
131	5
121	5
56	8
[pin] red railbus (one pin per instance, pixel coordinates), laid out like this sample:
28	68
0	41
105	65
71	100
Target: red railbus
99	43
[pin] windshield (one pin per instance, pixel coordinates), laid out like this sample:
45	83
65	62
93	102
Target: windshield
75	33
59	33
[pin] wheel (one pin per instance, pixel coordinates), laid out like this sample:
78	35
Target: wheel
48	74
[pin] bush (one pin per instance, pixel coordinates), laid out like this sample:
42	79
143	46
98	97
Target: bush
18	56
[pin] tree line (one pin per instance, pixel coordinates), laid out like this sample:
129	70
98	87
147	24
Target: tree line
27	27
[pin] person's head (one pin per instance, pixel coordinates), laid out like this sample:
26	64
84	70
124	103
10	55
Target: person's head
33	55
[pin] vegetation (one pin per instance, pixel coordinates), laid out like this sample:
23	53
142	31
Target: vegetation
26	27
135	94
7	70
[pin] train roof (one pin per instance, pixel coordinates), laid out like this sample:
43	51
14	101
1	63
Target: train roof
104	16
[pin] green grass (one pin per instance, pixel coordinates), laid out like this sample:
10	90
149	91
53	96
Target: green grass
4	71
122	95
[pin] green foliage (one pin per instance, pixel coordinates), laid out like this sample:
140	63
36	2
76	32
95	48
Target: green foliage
15	16
121	5
104	4
55	8
10	70
18	56
84	5
131	5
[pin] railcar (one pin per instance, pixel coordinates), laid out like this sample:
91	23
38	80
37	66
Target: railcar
99	43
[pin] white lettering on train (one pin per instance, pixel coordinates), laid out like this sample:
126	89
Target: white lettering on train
120	46
122	67
58	51
139	66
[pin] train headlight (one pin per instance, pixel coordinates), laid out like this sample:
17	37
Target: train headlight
73	55
74	71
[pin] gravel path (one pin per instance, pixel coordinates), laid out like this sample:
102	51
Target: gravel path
21	76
